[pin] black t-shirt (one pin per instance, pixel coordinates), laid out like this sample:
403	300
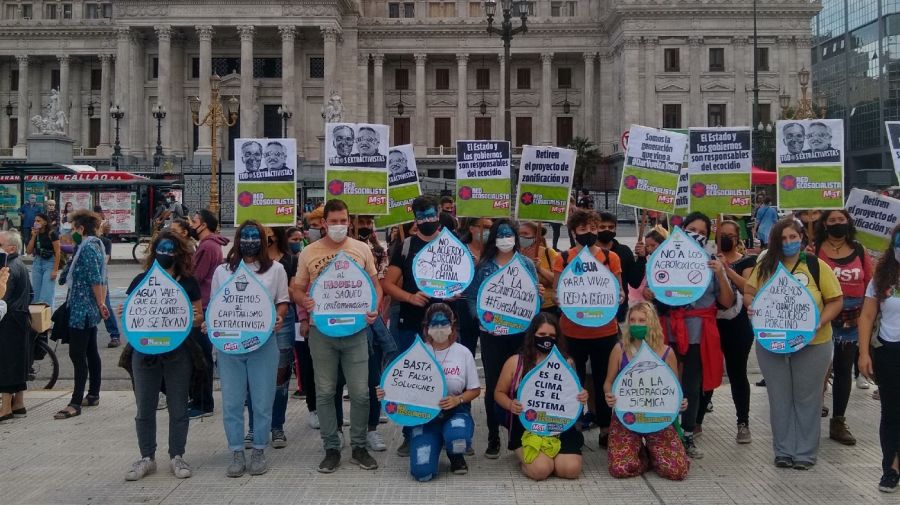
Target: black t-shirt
411	316
43	244
744	263
188	283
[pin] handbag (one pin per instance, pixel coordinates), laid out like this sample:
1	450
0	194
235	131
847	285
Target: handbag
60	318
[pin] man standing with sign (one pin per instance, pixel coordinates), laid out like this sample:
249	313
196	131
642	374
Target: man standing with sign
331	355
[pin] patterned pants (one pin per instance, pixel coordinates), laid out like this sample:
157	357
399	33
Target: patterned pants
629	457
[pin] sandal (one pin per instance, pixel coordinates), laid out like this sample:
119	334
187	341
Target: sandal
90	401
20	412
66	413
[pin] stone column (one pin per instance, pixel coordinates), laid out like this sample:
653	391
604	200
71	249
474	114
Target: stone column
64	76
123	76
22	122
5	69
420	129
546	99
652	116
378	89
105	71
362	88
164	82
248	120
205	33
609	133
179	109
288	98
462	104
631	97
740	84
137	105
75	128
330	35
696	104
501	103
587	105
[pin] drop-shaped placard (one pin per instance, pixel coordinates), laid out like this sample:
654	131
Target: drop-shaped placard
549	396
588	292
508	299
344	294
240	317
443	268
648	394
784	314
158	315
413	385
678	272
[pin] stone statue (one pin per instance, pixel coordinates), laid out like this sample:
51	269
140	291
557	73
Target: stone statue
334	111
54	122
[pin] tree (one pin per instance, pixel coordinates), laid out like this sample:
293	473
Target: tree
587	159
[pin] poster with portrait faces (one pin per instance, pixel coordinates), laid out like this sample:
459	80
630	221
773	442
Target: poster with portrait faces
356	166
810	163
265	188
403	186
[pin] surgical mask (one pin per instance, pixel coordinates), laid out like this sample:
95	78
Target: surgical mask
165	260
586	239
544	343
838	230
314	234
506	244
76	237
701	239
337	232
364	233
439	334
638	331
428	228
606	236
526	242
791	248
295	247
726	244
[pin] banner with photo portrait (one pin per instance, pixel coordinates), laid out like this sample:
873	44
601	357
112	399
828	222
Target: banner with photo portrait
482	178
265	181
810	163
403	186
356	166
719	171
893	133
652	166
545	181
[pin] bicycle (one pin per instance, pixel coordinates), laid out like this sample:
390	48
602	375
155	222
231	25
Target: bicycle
141	249
43	362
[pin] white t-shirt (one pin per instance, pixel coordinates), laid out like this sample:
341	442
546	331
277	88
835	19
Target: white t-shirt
889	331
274	280
459	368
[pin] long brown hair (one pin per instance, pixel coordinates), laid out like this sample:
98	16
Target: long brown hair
234	254
184	266
775	254
529	351
887	271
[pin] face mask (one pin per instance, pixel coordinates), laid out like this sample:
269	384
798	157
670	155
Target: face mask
337	232
701	239
76	237
525	243
839	230
193	233
726	244
544	343
586	239
250	248
638	331
606	236
428	228
364	233
485	234
506	244
314	234
295	247
439	334
165	260
791	248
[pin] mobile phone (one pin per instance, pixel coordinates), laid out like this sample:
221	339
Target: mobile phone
3	256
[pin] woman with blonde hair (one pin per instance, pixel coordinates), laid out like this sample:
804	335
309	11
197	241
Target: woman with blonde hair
664	448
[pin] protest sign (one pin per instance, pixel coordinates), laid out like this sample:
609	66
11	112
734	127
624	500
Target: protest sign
652	165
344	294
893	134
158	314
549	396
119	209
444	267
413	385
588	292
648	394
508	299
874	217
356	159
678	271
240	317
265	186
10	203
810	164
545	181
70	201
482	178
719	171
403	186
783	314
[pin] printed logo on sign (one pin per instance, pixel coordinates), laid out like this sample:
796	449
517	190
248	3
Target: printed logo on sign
772	334
678	293
537	428
662	277
230	346
250	343
629	418
796	342
530	415
390	408
341	321
777	346
226	334
155	341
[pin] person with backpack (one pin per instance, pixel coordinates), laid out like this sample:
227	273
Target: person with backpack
795	380
836	245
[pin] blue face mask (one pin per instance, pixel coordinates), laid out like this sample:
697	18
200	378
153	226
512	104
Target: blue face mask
295	247
791	248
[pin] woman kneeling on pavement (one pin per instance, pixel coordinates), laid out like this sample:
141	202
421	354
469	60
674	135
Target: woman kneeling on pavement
175	367
453	428
564	459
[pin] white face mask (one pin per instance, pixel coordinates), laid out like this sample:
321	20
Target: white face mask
439	334
506	244
337	232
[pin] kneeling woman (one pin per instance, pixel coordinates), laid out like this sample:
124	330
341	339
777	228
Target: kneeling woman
627	457
562	459
453	428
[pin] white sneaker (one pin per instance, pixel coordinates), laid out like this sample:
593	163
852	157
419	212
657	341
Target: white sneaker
161	404
180	468
346	421
313	420
375	442
140	468
862	382
341	438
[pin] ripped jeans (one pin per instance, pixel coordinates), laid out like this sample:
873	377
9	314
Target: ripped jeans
451	431
285	339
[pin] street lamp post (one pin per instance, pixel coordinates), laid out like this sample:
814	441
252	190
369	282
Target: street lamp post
285	115
159	113
216	117
807	107
117	113
507	32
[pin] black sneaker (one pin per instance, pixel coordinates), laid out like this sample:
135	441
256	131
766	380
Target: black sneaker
403	450
493	449
784	462
360	456
889	481
113	343
458	464
331	462
603	439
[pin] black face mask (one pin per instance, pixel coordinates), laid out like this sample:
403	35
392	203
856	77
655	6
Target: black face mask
429	228
726	244
364	233
250	248
193	233
544	343
165	261
838	230
586	239
606	236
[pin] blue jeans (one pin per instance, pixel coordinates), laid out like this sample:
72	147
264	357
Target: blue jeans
850	334
43	286
111	327
453	433
238	372
285	340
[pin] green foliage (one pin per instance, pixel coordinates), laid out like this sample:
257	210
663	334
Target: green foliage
587	160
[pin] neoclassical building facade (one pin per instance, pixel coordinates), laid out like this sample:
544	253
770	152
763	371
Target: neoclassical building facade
427	68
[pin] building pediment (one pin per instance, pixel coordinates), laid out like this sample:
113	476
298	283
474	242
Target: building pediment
764	85
716	85
679	85
524	100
